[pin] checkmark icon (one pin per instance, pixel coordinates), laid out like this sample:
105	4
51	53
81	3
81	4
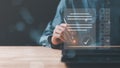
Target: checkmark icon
86	42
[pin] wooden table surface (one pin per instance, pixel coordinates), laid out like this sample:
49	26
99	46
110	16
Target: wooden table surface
39	57
30	57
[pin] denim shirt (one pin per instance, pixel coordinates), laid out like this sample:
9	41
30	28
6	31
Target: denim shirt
74	4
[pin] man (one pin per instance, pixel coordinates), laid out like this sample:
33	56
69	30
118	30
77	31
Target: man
52	36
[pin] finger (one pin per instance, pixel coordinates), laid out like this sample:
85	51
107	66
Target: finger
67	32
62	39
66	29
58	27
67	36
63	25
62	30
58	32
59	37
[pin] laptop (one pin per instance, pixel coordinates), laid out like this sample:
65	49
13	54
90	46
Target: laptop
92	36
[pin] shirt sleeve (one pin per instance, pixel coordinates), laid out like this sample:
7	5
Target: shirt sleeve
45	39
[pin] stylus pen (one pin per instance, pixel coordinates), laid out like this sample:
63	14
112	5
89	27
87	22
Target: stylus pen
65	21
72	38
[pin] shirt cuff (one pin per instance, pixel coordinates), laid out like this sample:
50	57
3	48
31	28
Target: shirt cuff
60	46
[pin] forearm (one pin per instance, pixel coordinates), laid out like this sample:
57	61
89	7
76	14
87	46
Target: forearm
46	42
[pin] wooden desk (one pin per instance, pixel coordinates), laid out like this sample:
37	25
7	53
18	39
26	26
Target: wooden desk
30	57
39	57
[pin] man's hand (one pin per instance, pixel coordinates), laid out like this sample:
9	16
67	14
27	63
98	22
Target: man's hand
57	37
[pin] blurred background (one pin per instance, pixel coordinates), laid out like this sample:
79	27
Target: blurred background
23	21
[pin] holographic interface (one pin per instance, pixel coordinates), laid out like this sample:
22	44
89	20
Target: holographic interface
84	31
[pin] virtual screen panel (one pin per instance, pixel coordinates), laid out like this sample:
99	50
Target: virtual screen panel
84	31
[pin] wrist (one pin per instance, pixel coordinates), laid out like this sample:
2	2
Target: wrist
56	41
58	46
